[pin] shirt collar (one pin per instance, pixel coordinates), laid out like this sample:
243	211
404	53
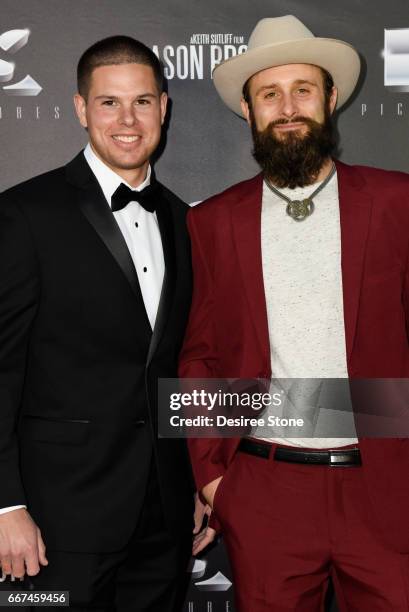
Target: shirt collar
109	180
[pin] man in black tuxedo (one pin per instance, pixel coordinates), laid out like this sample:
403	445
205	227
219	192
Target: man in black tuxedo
94	296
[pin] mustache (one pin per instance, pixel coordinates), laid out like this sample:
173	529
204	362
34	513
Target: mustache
298	119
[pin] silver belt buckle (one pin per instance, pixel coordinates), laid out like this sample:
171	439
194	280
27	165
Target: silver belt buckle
337	458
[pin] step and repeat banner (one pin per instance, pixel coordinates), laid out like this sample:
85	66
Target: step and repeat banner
205	147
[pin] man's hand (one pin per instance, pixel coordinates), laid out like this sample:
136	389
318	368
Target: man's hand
203	539
209	490
200	511
21	545
207	535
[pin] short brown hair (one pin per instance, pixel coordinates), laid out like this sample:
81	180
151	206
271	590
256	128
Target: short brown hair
116	50
326	77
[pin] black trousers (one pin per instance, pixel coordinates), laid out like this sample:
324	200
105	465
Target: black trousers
149	575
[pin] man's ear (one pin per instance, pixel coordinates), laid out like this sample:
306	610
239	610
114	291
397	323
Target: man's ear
81	109
163	101
333	100
246	110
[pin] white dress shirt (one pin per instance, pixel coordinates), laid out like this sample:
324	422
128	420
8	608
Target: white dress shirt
140	230
141	233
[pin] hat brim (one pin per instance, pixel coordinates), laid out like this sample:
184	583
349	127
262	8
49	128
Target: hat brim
337	57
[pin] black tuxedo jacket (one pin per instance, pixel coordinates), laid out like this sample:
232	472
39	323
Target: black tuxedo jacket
79	362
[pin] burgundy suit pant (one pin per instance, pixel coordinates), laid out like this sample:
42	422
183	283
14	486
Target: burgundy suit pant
289	527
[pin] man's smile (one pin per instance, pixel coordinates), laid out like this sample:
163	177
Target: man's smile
286	127
126	139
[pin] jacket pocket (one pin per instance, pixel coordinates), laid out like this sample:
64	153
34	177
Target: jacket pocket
70	432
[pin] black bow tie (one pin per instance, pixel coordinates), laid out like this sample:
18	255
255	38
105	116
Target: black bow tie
147	197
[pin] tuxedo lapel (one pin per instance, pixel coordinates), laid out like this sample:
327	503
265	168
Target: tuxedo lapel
355	206
95	208
246	224
165	222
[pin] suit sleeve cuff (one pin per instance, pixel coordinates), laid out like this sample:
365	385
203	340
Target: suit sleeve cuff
10	508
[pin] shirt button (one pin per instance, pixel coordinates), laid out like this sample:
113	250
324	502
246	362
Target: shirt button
145	269
136	224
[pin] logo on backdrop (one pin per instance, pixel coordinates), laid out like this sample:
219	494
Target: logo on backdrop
395	56
11	42
217	583
198	58
396	59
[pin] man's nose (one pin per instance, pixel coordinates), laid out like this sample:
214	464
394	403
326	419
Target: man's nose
289	108
128	115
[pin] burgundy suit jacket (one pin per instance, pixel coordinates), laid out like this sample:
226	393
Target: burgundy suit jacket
227	334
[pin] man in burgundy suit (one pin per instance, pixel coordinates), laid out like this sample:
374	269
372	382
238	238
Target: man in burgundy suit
302	272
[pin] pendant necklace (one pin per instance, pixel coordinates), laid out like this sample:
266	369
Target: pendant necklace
301	209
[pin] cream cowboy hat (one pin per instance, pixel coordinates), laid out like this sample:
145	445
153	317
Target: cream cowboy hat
285	40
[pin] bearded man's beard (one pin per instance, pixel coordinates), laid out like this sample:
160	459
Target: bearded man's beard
294	159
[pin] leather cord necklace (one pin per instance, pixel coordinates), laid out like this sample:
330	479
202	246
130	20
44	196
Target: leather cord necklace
301	209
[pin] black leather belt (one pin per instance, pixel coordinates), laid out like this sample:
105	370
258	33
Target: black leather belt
347	457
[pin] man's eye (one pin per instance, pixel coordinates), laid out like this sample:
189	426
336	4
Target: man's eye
142	102
303	90
271	94
108	102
